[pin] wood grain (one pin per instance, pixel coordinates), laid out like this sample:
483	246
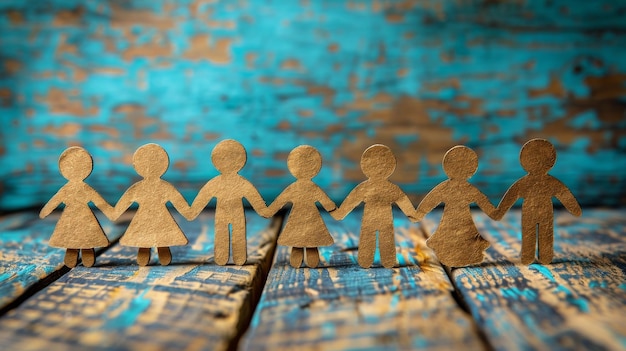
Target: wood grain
191	304
577	302
26	259
343	306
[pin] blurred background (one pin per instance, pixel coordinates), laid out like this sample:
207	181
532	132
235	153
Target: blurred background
418	76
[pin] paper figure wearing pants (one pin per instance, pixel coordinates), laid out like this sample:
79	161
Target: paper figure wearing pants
77	229
305	228
379	195
537	188
152	225
228	157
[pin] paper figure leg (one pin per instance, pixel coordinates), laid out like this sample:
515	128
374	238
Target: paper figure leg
529	240
143	256
222	243
367	247
89	257
312	257
546	241
71	257
165	255
240	252
387	246
297	254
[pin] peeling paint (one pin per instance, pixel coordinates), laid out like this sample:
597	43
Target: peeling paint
420	76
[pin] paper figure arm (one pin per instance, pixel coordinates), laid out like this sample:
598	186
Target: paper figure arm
254	198
354	199
205	195
100	203
179	202
509	198
325	201
565	196
280	201
429	202
53	203
406	206
485	205
124	202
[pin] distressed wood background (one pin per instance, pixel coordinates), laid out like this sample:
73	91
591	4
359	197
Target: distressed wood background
419	76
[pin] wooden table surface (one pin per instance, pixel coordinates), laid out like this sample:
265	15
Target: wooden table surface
577	302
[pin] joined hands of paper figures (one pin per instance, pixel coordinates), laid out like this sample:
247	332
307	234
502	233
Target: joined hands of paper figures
537	188
229	188
304	227
379	195
456	242
152	225
78	229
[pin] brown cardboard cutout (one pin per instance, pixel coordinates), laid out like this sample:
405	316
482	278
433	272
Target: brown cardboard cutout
229	157
537	188
379	194
305	227
456	242
152	224
78	228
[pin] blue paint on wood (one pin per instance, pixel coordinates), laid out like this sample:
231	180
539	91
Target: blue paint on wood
420	76
538	305
192	303
135	309
26	258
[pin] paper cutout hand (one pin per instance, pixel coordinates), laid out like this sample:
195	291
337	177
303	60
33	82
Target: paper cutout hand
337	214
417	216
265	212
497	214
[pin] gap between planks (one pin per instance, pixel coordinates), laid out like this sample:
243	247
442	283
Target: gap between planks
20	328
576	302
457	295
29	282
340	305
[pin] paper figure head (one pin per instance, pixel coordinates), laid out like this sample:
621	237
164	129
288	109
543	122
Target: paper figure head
75	163
460	162
304	162
229	156
151	161
378	162
537	156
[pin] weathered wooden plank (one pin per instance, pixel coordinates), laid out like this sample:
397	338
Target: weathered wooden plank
191	304
26	259
343	306
577	302
419	76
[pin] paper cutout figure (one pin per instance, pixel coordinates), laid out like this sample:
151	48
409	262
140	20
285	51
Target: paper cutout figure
152	225
456	241
537	188
305	228
229	157
377	163
78	229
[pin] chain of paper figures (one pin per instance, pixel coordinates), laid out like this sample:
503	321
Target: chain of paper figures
456	242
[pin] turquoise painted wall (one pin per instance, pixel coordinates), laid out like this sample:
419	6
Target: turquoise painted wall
419	76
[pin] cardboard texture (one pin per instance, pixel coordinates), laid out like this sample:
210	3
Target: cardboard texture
229	188
304	226
537	188
456	241
78	228
379	195
152	225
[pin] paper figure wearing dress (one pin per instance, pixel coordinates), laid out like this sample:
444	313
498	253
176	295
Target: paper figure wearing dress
78	229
